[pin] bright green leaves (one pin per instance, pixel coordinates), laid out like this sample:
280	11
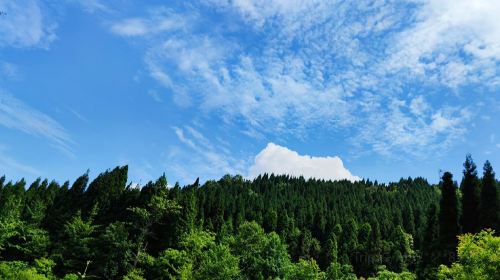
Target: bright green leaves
478	258
200	257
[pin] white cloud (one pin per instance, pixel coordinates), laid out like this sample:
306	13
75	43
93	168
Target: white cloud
131	27
260	11
24	25
280	160
162	20
327	66
419	106
15	114
402	127
92	6
433	46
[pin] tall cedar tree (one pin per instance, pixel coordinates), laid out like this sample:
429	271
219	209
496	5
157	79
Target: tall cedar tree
448	219
470	197
429	246
489	200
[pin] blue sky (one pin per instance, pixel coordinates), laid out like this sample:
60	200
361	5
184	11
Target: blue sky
330	89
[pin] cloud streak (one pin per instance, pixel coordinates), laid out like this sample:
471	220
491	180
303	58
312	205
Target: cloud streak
9	165
15	114
209	158
162	20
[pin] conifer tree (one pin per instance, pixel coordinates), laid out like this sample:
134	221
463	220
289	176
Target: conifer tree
448	218
430	244
470	197
489	206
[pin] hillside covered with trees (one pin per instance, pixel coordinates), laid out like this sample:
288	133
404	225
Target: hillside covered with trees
272	227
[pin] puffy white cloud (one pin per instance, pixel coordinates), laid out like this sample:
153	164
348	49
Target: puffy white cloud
281	160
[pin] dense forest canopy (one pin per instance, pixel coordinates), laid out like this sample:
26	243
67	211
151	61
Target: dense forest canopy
271	227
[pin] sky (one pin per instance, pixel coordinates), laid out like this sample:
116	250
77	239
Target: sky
325	89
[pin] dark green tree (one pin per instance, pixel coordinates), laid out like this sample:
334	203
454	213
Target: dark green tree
76	250
470	197
430	245
448	219
331	249
489	207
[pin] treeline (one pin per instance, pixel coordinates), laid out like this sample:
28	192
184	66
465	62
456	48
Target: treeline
273	227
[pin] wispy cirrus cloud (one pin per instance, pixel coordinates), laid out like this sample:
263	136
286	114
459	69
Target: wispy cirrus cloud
292	67
25	25
207	157
9	165
15	114
451	42
9	71
93	6
412	127
161	20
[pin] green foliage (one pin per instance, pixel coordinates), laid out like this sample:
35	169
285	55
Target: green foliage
337	271
262	255
306	270
77	245
384	274
45	266
199	258
174	264
71	276
273	227
115	251
217	263
332	248
430	245
10	220
134	274
478	258
21	271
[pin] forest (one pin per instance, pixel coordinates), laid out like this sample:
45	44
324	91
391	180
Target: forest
271	227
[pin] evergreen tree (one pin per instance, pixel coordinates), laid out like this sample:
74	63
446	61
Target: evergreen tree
430	244
448	218
489	207
331	249
470	197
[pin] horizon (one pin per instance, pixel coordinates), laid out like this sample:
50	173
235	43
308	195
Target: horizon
140	184
192	89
